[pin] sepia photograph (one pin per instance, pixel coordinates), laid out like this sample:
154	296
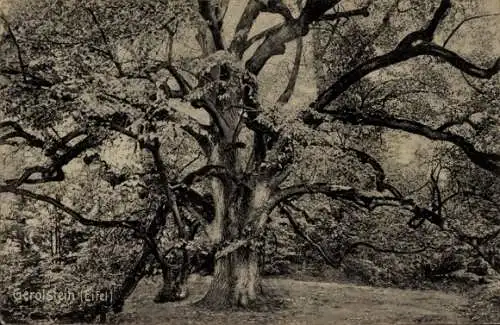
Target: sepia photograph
271	162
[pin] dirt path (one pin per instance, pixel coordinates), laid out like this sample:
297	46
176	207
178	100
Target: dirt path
311	303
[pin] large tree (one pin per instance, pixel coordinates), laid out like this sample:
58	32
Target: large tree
80	75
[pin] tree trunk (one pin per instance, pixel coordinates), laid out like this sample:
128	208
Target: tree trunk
247	282
236	281
175	280
133	277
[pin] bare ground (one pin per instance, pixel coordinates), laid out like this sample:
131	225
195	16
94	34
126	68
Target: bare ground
311	303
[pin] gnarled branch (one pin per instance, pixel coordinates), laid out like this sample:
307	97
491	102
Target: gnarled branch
250	13
415	44
488	161
19	132
84	220
274	42
53	171
380	178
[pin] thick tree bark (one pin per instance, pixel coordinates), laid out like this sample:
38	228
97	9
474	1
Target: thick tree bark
236	281
247	280
236	276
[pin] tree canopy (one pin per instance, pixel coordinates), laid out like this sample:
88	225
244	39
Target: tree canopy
161	104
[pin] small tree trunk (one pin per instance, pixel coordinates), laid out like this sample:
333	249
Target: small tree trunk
174	280
135	275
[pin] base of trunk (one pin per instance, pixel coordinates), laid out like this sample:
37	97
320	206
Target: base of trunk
236	283
172	292
174	286
174	279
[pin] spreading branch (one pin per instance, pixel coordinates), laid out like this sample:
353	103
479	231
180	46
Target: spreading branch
276	28
84	220
365	199
275	40
18	132
87	220
302	233
487	161
62	155
46	175
418	43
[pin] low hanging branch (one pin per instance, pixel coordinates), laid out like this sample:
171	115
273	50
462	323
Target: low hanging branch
46	175
84	220
132	225
366	199
53	171
61	153
487	161
350	247
16	131
296	227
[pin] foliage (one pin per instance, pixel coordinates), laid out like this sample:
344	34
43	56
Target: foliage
185	159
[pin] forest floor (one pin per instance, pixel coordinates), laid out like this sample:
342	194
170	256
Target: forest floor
311	303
